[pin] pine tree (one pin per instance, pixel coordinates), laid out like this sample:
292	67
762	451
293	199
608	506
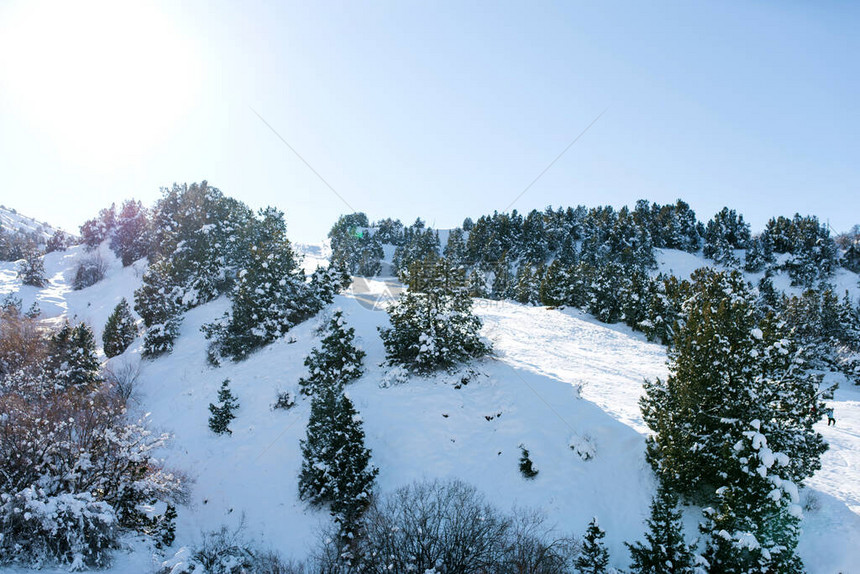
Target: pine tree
337	362
336	468
326	282
594	557
758	256
455	248
432	324
476	284
129	239
554	285
120	330
503	279
156	301
72	357
604	300
665	551
727	366
525	291
526	466
733	422
222	413
32	269
271	295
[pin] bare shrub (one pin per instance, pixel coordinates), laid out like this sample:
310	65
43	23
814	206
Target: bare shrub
22	344
122	379
91	269
226	551
447	527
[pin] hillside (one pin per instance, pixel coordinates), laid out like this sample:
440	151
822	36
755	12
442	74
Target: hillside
12	221
559	379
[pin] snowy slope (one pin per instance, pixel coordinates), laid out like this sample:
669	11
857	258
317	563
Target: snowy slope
558	378
10	220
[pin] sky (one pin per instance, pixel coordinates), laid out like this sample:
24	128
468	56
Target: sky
439	110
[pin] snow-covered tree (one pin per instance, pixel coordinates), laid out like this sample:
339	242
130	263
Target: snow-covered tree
725	232
735	415
759	255
96	230
58	241
31	270
504	280
432	324
72	360
554	284
271	294
813	253
455	248
120	330
129	238
528	283
664	550
75	474
336	468
354	245
326	282
222	413
337	361
156	303
594	558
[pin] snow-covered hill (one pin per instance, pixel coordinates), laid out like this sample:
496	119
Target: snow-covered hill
560	383
12	221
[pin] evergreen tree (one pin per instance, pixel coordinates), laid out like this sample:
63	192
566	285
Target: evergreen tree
31	270
527	288
728	366
120	330
813	251
96	230
768	298
533	246
503	279
222	413
665	551
455	248
758	256
326	282
432	325
336	468
733	422
271	295
337	362
725	232
526	465
633	296
72	357
156	301
594	557
129	239
476	284
554	285
604	293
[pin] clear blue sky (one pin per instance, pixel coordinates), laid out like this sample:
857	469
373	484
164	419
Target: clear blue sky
436	109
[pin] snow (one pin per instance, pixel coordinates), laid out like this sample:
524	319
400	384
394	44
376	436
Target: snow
10	220
559	382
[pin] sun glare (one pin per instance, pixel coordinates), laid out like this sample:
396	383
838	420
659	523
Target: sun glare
106	81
